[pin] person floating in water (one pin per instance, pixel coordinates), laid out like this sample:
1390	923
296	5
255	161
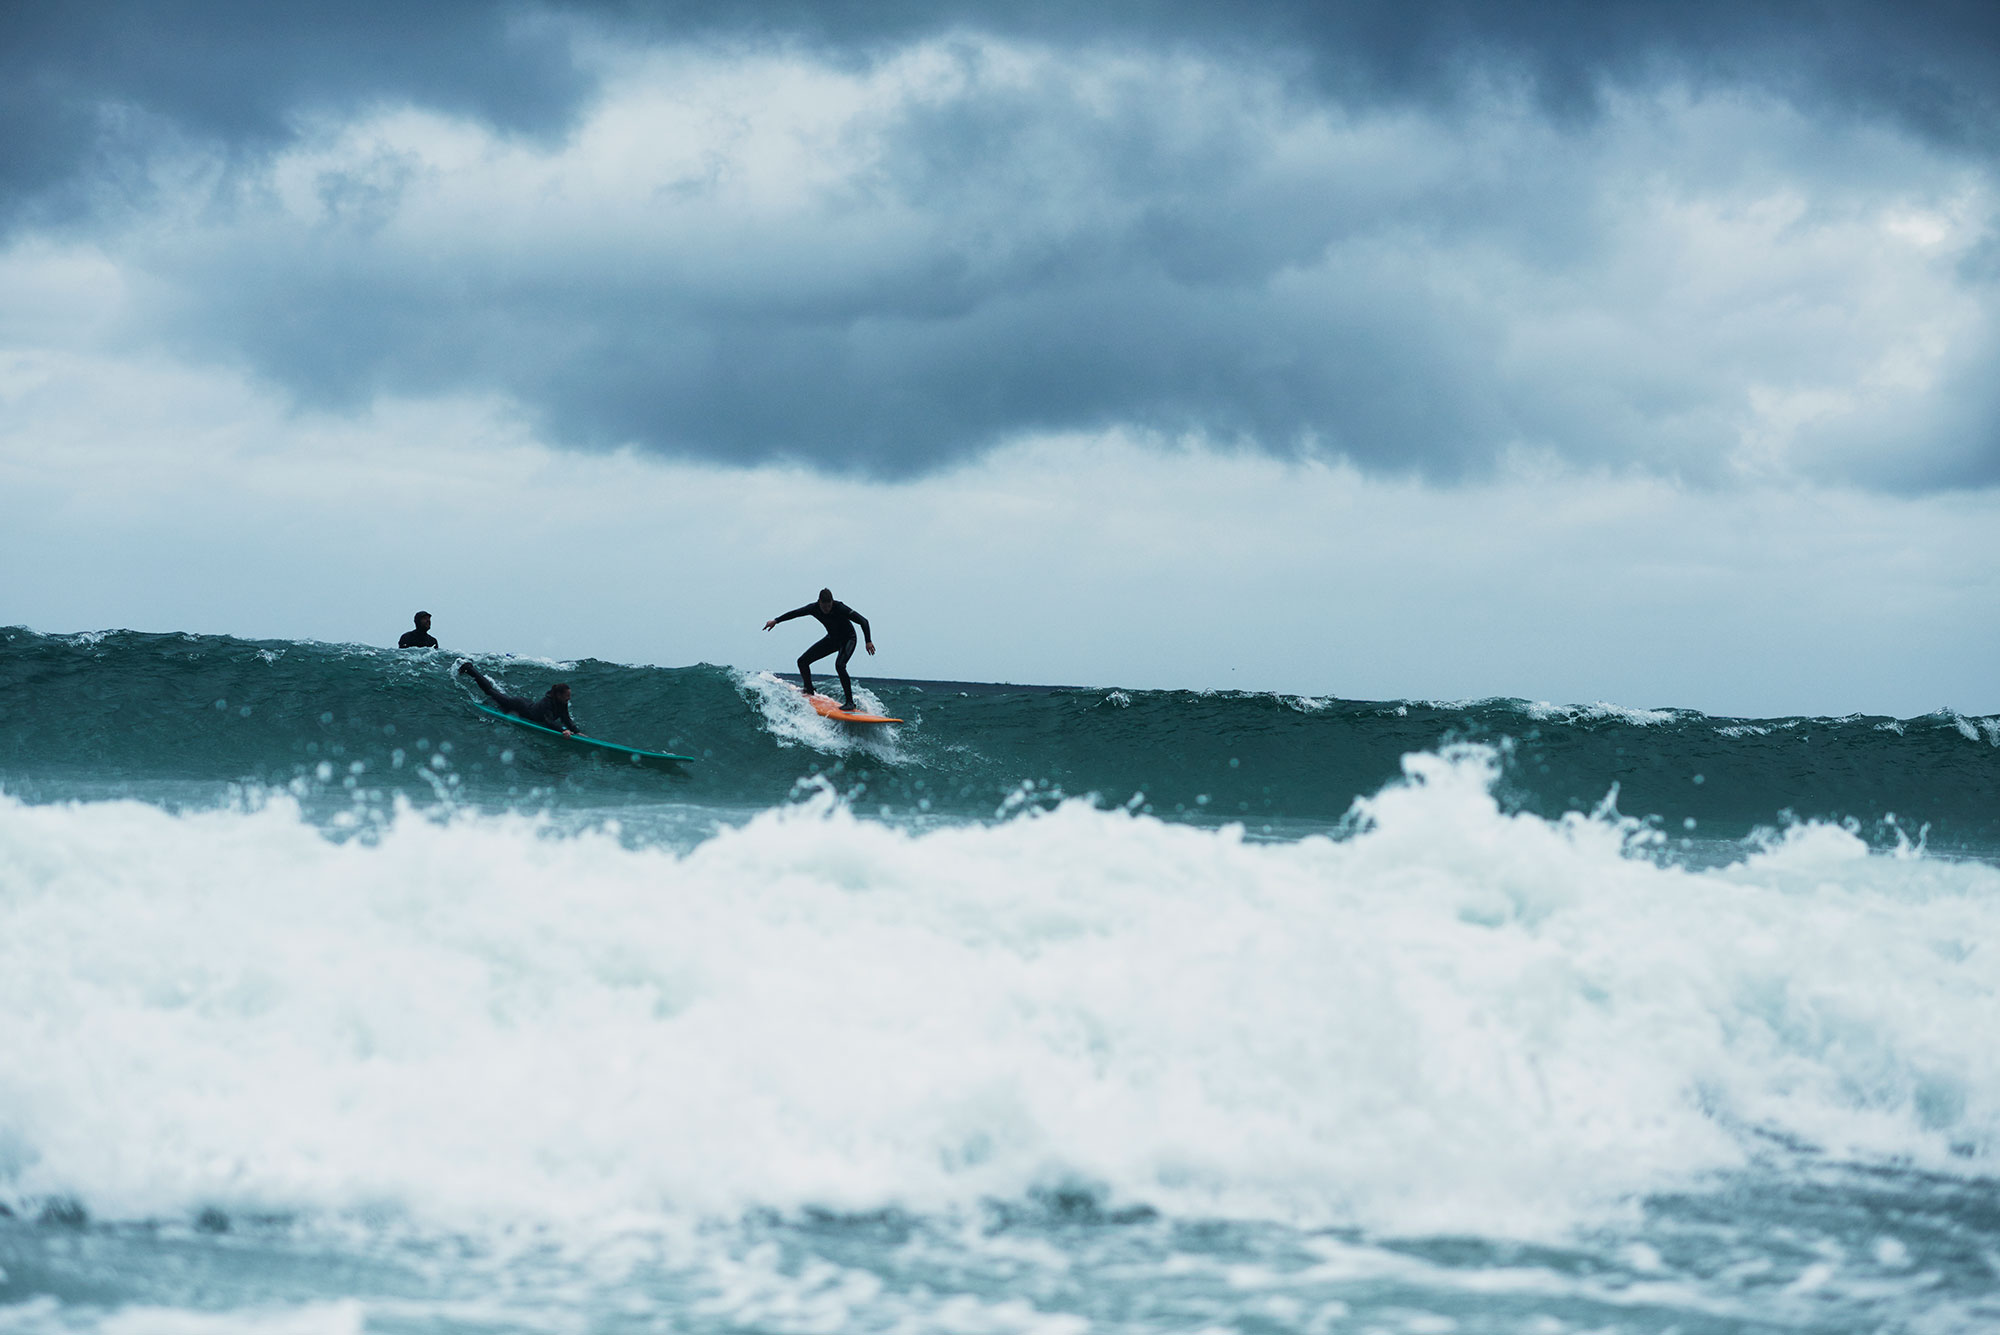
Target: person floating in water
840	621
420	638
551	711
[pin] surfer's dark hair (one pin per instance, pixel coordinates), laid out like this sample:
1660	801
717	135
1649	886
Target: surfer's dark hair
420	616
560	686
826	593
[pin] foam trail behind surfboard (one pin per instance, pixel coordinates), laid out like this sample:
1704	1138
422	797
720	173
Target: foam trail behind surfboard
792	721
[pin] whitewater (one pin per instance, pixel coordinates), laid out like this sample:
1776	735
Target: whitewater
328	1004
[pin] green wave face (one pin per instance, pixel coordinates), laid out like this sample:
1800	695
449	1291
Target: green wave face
353	731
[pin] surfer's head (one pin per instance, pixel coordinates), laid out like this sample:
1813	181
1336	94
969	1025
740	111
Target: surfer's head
826	597
560	691
423	621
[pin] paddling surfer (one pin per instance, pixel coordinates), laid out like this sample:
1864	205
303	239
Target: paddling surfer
839	620
551	711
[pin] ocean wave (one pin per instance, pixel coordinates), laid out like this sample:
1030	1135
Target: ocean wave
179	719
1973	728
1456	1017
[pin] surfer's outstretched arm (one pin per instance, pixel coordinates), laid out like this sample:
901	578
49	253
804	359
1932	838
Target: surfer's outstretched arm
795	612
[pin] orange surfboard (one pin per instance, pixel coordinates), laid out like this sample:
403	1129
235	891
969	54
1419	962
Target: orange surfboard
831	709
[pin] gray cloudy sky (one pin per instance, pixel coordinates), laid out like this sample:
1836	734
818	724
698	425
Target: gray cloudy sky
1563	350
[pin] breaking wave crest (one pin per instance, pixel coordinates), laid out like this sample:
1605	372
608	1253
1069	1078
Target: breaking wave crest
1456	1016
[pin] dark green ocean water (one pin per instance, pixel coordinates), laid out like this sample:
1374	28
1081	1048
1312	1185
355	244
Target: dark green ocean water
125	711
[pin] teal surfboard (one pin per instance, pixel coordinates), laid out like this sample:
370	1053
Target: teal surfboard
631	752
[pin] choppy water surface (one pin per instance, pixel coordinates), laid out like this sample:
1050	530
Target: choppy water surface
328	1004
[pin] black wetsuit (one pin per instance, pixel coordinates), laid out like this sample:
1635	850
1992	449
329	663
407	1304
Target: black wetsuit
547	711
417	639
840	621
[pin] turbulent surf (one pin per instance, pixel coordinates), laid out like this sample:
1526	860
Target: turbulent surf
331	1004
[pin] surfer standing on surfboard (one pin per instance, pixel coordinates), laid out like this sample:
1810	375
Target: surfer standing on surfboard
551	711
840	621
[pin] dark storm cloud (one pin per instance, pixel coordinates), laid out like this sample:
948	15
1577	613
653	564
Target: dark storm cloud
87	89
1933	66
83	82
1078	262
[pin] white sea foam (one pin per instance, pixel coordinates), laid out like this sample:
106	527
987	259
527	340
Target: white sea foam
793	722
1544	711
323	1318
492	663
1454	1019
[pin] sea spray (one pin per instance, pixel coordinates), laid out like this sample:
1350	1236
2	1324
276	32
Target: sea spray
1456	1019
